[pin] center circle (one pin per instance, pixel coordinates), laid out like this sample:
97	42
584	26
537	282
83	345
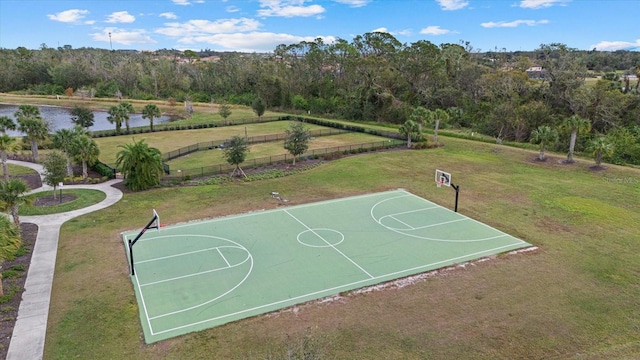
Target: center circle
320	238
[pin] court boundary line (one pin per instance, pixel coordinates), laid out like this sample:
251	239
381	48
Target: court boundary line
148	318
175	255
196	273
336	288
223	258
404	232
269	211
329	244
400	221
408	272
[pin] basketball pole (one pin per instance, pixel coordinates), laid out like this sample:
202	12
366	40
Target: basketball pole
457	189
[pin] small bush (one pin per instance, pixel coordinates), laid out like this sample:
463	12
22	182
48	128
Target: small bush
103	170
420	145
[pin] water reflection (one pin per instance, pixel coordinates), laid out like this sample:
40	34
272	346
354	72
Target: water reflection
60	118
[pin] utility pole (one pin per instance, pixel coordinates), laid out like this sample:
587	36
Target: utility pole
110	44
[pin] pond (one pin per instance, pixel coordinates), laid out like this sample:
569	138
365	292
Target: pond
60	118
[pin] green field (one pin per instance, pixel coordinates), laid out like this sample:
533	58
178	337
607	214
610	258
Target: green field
167	141
273	148
575	297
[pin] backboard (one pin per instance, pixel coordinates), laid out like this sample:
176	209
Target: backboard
442	178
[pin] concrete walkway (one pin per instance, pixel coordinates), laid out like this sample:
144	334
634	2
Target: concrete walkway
27	341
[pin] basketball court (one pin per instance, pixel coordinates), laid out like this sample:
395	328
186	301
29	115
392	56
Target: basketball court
198	275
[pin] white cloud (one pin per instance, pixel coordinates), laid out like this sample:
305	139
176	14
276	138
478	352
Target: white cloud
539	4
187	2
394	33
232	9
124	37
616	45
434	30
120	17
68	16
195	28
168	15
354	3
512	24
89	22
288	8
253	41
452	4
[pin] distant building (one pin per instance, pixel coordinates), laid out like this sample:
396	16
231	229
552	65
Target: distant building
536	72
212	58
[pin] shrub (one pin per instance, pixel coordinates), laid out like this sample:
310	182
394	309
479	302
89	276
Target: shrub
103	170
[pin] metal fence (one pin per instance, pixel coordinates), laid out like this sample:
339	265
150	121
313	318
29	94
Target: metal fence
207	145
170	126
219	169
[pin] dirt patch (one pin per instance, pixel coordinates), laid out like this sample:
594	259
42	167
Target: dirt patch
13	285
598	168
50	201
33	181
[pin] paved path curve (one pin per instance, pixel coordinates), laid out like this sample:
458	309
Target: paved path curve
27	341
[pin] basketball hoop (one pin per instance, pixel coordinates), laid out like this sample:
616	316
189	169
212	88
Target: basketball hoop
442	178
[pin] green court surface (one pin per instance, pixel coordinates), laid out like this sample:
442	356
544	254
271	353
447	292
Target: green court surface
202	274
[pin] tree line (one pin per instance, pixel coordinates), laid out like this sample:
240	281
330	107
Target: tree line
374	77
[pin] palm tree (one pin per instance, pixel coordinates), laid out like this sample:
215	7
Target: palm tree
543	135
116	116
419	116
575	125
600	147
10	242
86	150
63	140
6	123
140	165
12	196
411	130
128	109
435	117
7	145
82	116
31	123
151	111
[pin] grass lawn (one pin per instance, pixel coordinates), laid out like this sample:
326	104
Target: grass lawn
576	297
83	198
212	157
167	141
17	170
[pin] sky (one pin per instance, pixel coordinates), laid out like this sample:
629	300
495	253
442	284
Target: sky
261	25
